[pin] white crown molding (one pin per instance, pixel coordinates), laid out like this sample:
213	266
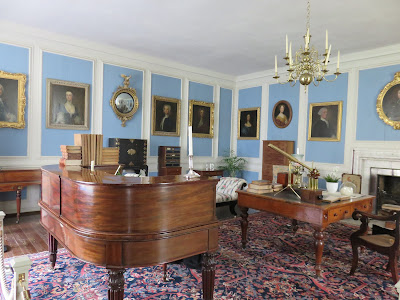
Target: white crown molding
12	33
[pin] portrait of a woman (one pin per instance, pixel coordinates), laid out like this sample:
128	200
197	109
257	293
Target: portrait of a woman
249	123
282	114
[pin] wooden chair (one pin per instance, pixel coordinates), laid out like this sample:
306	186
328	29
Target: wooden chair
383	243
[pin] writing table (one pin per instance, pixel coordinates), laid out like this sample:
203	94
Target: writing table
318	214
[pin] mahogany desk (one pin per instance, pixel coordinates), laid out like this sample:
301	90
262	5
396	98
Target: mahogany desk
210	173
16	180
286	204
125	222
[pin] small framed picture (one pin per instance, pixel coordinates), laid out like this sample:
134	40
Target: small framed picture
67	105
325	121
353	178
249	123
282	114
12	100
166	114
388	103
201	118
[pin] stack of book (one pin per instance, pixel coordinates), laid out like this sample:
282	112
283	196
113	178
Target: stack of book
277	187
92	147
71	155
260	187
110	156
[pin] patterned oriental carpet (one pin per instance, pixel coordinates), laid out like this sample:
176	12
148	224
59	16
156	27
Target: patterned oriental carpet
277	264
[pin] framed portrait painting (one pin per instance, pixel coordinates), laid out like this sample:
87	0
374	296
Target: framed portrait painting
282	114
67	105
249	123
166	114
12	100
201	118
325	121
388	103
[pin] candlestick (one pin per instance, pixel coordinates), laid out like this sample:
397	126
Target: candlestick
190	141
338	59
327	56
276	65
92	165
298	151
290	54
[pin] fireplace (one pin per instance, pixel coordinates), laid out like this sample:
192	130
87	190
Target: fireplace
388	190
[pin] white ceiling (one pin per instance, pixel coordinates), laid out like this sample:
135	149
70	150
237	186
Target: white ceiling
234	37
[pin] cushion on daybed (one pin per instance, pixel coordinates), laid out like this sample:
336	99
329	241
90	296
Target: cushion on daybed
227	187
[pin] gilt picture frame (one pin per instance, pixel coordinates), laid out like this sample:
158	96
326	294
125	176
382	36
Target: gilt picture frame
325	121
12	100
249	124
388	103
201	118
282	114
166	116
67	105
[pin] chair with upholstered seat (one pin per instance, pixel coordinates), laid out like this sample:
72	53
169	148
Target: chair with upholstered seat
226	192
386	244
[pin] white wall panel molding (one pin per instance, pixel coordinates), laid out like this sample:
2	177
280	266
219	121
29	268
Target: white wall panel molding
184	121
217	101
302	133
97	97
234	127
146	104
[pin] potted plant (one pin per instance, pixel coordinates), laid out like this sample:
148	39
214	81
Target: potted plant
233	164
332	180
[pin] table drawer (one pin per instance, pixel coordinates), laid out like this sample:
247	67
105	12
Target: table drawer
340	213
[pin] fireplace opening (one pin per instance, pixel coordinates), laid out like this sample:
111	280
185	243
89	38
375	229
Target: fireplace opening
388	191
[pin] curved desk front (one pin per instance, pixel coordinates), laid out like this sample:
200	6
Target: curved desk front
123	222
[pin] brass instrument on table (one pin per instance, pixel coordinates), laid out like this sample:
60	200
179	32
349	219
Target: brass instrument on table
313	172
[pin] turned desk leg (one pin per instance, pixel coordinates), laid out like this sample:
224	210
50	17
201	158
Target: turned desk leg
244	223
19	189
208	274
52	250
319	248
116	284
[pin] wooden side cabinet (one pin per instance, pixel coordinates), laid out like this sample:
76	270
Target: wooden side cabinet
169	160
272	157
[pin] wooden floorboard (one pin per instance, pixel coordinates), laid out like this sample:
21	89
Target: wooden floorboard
26	237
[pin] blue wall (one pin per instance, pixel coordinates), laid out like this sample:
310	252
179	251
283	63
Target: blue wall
111	124
328	152
249	176
201	92
369	126
63	68
279	92
15	60
166	87
225	121
248	98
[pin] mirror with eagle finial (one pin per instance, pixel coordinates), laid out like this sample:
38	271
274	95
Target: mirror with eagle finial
124	101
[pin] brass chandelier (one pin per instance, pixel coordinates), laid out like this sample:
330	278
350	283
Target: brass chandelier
307	65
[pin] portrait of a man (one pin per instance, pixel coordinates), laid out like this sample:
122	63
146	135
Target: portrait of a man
166	116
201	118
282	114
249	123
391	103
67	105
325	121
12	100
8	100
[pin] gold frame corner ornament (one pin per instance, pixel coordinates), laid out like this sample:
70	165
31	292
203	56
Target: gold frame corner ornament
338	125
381	97
210	134
20	122
124	117
153	116
257	137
